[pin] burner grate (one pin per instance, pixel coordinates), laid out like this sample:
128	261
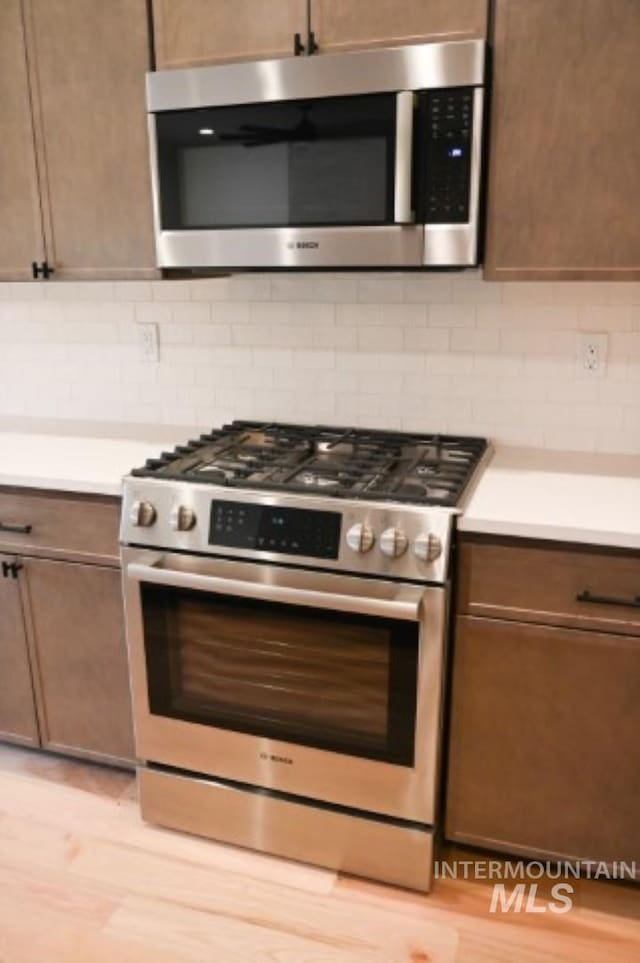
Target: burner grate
340	462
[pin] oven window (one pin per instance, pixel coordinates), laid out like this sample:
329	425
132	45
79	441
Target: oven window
341	682
297	163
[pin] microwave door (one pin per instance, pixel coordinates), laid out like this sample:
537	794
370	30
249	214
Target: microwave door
319	183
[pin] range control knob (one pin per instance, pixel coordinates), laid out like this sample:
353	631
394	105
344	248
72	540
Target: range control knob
142	514
427	547
393	542
360	538
182	518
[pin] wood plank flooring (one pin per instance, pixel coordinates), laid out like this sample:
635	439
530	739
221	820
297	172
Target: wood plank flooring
83	880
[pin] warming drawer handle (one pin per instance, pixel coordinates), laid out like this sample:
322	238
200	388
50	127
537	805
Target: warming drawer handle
587	596
402	213
408	606
16	529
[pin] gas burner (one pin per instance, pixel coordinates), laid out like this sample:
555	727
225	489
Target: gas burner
318	481
335	462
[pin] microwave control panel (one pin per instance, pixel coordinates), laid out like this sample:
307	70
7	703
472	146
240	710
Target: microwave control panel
448	155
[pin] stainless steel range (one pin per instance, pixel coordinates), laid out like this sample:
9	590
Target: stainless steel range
287	592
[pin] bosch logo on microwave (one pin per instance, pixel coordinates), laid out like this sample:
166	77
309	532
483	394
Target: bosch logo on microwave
302	245
273	758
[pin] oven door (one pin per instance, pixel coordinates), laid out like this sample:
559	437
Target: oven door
318	685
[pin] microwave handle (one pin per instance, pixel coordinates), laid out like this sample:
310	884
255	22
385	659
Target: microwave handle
402	212
408	606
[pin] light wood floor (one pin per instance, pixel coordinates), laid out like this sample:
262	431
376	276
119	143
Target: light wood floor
83	880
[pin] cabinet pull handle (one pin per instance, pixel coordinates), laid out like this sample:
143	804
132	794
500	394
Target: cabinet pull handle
298	46
17	529
43	269
587	596
11	569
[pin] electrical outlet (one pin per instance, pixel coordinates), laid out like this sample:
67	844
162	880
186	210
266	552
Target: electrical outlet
149	342
592	358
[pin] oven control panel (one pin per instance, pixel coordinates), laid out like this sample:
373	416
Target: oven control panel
385	539
267	528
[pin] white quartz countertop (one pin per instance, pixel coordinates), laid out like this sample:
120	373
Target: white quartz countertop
569	497
70	463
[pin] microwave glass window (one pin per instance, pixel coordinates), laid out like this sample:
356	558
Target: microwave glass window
299	163
335	681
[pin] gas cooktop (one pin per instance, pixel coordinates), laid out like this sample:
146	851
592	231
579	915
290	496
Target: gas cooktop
333	462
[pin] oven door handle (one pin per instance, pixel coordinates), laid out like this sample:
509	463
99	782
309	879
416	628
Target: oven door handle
407	605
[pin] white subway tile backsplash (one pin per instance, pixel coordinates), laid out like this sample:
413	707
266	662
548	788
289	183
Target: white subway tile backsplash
357	314
149	312
442	352
473	290
211	289
403	315
190	312
377	290
210	334
452	315
529	343
173	333
475	341
133	291
429	289
608	317
380	338
171	290
427	339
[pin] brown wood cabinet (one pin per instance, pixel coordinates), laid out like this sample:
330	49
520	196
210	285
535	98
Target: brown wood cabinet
544	756
21	240
564	156
76	115
369	23
64	678
18	722
192	32
77	625
188	33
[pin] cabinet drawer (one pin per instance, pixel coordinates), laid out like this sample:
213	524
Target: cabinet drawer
537	582
55	524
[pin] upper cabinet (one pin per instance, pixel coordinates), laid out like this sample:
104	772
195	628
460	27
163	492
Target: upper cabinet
76	114
189	33
368	23
21	240
196	32
564	182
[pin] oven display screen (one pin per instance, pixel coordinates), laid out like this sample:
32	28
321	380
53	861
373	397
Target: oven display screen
290	531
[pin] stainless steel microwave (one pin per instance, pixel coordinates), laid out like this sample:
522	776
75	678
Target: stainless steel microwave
350	160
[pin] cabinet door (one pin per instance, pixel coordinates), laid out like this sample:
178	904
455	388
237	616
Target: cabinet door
21	240
370	23
564	156
77	626
192	32
18	721
544	751
88	60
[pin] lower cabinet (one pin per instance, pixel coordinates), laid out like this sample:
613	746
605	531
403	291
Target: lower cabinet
18	721
545	740
79	651
64	675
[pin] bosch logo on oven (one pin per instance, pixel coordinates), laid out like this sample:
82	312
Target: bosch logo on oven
303	245
272	758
